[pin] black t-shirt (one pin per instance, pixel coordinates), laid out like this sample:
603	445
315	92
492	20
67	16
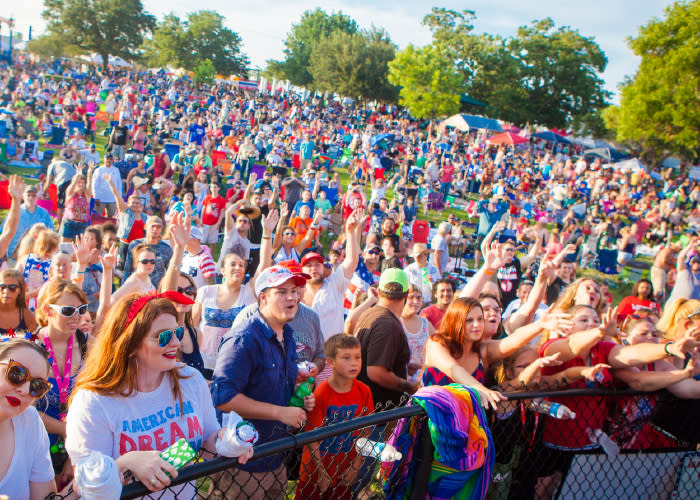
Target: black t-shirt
509	277
554	290
256	230
383	343
121	133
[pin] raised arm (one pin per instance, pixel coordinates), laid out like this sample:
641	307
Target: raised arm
532	253
494	258
526	312
681	264
498	226
268	225
121	204
639	354
353	229
105	298
179	229
16	190
579	344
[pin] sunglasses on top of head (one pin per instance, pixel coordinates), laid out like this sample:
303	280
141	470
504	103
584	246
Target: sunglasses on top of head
166	336
17	374
69	311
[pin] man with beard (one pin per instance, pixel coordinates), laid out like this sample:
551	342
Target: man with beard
324	295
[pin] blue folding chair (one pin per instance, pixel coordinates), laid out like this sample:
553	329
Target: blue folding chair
606	262
80	126
58	134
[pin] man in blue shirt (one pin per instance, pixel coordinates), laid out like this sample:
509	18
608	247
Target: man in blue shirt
255	376
490	212
306	151
29	214
197	132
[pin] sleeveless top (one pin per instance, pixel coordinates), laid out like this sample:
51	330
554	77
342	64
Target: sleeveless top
77	208
21	326
282	255
433	376
216	322
194	358
416	341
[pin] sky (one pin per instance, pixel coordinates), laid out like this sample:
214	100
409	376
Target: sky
264	24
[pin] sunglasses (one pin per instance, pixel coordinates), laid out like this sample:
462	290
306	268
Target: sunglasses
374	252
283	234
17	375
69	311
188	290
147	261
166	336
12	288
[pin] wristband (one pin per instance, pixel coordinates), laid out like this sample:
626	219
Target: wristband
668	353
267	237
489	272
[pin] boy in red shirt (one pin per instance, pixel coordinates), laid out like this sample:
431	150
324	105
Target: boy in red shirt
329	468
212	214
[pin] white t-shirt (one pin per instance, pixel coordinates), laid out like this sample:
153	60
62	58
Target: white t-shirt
31	461
328	303
115	425
438	243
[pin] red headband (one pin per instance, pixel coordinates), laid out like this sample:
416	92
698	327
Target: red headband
139	303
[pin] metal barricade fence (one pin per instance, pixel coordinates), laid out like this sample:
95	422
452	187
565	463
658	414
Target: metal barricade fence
653	455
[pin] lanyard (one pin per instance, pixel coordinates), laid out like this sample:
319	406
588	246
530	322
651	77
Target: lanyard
63	383
530	440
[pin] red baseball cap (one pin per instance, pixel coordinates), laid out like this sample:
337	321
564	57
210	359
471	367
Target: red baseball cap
295	267
312	256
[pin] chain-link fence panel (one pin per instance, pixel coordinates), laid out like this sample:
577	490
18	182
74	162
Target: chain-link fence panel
582	443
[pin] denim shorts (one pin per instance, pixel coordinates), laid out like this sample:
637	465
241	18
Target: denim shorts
71	228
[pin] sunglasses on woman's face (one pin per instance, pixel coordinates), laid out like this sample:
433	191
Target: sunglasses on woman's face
13	287
147	261
69	311
166	336
17	375
188	290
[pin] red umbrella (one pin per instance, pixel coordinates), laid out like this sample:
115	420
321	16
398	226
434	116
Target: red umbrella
507	138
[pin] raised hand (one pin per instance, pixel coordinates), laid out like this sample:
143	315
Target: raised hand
495	256
558	323
82	250
591	373
179	228
252	179
608	324
269	223
546	270
284	210
16	187
108	260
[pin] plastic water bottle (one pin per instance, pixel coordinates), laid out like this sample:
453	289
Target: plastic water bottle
239	436
383	451
555	410
304	389
609	446
98	478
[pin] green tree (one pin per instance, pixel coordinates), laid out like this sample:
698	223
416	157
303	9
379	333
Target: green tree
559	70
354	64
202	36
204	73
659	112
314	26
51	45
430	86
106	27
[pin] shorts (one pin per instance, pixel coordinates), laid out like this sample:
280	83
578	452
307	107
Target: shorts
71	228
210	235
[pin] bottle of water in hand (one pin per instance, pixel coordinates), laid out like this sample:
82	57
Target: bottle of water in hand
555	410
238	437
383	451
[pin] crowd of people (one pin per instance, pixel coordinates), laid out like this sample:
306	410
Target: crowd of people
214	255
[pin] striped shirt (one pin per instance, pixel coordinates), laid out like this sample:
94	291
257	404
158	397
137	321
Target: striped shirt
363	279
199	267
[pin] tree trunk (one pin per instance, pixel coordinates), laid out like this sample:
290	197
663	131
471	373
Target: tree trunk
105	62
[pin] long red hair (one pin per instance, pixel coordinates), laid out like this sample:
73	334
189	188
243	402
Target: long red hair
453	328
111	368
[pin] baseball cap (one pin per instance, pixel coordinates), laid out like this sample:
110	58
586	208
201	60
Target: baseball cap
154	219
294	267
393	275
418	249
370	247
312	256
196	233
30	187
275	276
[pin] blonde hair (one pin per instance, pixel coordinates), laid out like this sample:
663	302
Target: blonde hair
53	292
26	244
671	323
46	243
506	365
568	297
